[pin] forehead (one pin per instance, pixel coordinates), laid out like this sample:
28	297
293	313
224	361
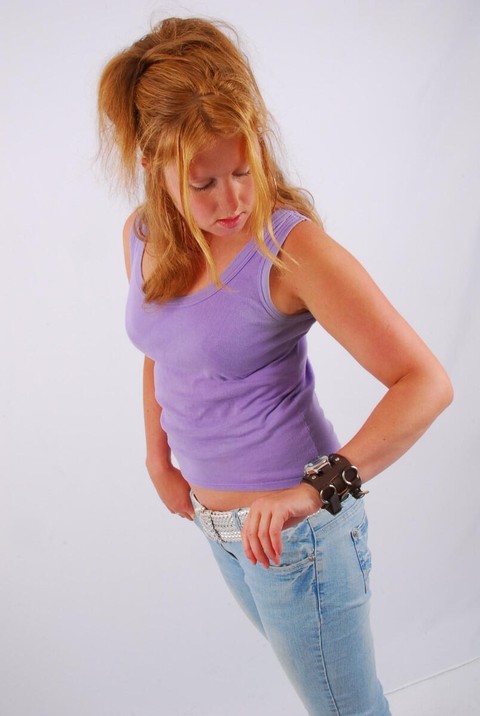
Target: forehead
223	155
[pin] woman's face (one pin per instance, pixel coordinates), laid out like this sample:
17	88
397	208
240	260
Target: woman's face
221	189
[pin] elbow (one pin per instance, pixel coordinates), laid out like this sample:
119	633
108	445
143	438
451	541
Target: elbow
449	393
435	389
443	389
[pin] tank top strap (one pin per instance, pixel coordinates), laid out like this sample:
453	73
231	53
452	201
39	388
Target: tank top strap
283	221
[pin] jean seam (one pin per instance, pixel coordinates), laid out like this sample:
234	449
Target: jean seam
356	534
320	625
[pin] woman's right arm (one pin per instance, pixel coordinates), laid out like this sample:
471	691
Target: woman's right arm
171	486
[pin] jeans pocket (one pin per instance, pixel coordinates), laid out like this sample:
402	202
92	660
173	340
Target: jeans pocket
359	535
298	548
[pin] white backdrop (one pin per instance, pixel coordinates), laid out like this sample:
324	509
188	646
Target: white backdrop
109	605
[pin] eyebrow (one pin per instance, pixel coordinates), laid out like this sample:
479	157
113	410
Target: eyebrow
201	179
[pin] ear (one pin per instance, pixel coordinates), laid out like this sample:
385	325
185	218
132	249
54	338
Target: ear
144	162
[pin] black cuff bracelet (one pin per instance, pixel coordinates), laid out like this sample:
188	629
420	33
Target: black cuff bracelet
335	478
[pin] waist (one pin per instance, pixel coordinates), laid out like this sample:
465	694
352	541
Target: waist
227	499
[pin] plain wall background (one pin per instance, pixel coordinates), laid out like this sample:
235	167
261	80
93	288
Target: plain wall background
109	605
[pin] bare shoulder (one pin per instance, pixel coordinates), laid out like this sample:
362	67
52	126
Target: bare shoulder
309	241
308	253
319	266
127	230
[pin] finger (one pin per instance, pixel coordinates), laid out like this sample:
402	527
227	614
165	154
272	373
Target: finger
276	526
188	512
255	527
265	538
258	551
185	515
248	525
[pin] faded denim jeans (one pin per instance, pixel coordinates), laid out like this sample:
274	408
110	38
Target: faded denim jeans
314	609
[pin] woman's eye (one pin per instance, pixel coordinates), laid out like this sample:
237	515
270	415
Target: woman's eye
202	188
211	183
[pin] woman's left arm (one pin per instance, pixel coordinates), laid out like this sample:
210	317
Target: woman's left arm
328	281
340	294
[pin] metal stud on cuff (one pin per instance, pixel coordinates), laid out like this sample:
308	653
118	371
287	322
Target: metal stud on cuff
330	476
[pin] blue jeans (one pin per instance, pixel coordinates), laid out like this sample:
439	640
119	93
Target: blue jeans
314	609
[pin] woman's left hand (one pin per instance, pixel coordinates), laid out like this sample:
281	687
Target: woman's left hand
269	515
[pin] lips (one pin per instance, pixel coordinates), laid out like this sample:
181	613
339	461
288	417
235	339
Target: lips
230	222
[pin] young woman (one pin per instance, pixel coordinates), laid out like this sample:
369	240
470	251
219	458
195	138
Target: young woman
229	267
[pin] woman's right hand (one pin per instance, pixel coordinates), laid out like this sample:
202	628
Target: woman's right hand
173	490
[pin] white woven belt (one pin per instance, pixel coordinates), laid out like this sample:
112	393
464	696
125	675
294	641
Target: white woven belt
221	526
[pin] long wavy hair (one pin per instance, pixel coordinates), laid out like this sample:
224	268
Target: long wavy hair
166	98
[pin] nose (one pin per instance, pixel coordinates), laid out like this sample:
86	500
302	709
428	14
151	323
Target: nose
229	199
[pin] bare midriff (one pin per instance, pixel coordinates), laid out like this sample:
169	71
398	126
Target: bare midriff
226	500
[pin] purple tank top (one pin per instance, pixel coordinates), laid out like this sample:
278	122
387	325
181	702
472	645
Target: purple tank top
232	375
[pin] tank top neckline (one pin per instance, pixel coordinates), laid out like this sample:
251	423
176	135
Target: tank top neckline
226	276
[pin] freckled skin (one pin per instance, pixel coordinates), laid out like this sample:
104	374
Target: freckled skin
221	188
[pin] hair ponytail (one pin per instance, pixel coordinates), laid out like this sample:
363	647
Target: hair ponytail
117	110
